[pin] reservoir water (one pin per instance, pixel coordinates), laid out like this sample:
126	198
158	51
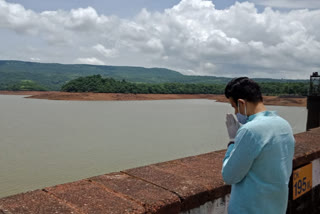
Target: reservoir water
44	142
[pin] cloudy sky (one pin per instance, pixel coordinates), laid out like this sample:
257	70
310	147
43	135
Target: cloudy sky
256	38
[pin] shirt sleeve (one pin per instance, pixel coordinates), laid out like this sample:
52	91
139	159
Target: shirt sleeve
239	157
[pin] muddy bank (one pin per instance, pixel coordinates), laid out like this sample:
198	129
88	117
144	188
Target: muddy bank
55	95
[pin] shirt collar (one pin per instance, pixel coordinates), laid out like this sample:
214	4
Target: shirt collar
262	113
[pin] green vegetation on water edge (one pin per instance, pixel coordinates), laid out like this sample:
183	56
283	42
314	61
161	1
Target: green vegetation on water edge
97	83
25	85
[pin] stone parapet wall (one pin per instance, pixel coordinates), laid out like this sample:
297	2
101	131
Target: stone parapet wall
187	186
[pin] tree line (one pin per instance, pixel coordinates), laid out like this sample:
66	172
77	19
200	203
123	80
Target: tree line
97	83
23	85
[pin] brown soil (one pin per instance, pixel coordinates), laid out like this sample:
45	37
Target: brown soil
55	95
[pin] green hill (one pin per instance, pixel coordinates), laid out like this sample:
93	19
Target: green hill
53	75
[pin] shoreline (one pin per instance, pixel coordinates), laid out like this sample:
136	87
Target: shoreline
90	96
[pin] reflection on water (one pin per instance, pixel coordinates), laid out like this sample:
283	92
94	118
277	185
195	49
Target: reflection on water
43	142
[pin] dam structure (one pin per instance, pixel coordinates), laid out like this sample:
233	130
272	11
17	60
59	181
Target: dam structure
184	186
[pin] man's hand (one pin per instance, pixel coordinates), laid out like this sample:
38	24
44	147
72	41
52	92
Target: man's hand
232	126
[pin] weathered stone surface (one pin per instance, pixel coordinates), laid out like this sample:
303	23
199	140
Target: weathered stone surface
204	168
90	198
307	147
153	198
191	191
35	202
314	131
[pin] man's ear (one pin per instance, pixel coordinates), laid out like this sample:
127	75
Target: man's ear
242	101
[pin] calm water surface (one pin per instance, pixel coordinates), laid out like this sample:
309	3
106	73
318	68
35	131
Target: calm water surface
43	142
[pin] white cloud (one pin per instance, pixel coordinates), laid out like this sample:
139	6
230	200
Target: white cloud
104	51
192	37
296	4
35	59
91	61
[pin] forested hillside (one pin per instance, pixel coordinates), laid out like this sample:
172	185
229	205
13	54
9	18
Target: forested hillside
14	75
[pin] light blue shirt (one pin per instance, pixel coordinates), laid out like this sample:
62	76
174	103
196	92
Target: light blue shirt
259	165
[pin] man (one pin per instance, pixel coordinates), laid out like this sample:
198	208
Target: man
258	161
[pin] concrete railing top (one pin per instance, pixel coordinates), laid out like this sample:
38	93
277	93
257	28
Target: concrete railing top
167	187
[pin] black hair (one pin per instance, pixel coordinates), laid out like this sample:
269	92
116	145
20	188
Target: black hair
243	88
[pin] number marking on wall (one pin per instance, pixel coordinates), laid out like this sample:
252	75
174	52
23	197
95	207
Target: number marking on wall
302	181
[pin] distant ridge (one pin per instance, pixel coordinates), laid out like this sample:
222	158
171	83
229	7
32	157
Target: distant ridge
54	75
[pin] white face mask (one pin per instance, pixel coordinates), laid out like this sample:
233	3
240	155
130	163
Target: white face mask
242	118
